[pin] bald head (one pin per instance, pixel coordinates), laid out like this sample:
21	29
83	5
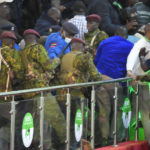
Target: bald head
122	31
54	13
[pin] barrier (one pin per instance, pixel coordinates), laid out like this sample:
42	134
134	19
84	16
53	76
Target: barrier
43	121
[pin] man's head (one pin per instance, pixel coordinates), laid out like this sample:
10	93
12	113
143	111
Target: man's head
54	13
131	2
79	8
8	39
31	36
93	22
147	31
68	31
5	11
121	31
77	44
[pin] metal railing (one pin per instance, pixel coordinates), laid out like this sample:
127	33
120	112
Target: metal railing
68	107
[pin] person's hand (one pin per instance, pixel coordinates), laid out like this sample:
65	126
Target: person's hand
131	25
142	52
130	74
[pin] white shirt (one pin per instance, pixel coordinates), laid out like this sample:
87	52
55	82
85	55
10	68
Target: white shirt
133	62
80	22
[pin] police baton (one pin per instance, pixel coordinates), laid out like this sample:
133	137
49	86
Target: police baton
61	53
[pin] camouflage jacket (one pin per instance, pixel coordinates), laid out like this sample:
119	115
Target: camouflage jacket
78	67
38	68
12	58
93	39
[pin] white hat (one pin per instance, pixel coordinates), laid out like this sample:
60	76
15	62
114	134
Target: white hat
7	1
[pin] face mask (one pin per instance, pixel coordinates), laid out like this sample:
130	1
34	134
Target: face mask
67	40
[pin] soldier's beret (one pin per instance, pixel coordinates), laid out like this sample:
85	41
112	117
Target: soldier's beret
93	17
31	31
78	40
8	34
70	28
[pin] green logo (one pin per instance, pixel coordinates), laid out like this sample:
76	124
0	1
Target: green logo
78	125
27	130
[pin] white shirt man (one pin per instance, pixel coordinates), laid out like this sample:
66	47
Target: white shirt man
133	61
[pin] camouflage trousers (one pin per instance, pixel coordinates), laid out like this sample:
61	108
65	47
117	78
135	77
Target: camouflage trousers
105	103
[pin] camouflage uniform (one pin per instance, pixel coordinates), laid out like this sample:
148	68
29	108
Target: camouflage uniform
38	68
76	67
38	71
12	58
94	38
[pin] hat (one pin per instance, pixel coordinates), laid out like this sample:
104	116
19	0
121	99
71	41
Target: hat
31	31
7	1
70	28
8	34
8	27
93	17
78	40
78	6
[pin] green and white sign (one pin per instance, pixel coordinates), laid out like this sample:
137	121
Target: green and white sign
27	130
78	125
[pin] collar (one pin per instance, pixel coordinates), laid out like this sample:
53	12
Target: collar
49	19
93	33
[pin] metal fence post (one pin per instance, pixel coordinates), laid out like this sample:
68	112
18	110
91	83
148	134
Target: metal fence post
68	107
137	112
41	120
115	115
93	117
12	130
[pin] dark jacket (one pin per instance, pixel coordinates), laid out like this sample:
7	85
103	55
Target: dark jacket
110	19
139	12
44	23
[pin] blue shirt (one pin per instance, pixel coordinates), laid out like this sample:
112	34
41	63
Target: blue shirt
133	39
55	44
111	56
16	46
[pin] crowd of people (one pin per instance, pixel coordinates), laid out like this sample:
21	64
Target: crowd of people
46	43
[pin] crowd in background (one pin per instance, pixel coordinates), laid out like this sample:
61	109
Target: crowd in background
56	42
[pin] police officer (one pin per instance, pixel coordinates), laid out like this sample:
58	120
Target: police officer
10	66
10	63
38	71
94	35
56	42
76	67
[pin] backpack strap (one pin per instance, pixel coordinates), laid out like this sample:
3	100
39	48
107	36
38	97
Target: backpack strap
2	60
93	39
